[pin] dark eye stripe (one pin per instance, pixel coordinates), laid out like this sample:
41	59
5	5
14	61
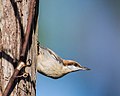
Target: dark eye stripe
74	63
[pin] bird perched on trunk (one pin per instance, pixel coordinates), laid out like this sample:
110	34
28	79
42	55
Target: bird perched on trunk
51	65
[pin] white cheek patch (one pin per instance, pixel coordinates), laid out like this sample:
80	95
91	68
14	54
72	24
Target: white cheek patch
72	67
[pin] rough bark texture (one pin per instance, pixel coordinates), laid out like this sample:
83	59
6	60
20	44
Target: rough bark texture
13	22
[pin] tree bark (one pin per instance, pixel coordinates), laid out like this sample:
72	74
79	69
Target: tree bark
13	22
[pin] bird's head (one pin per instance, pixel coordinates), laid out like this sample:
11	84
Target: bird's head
72	66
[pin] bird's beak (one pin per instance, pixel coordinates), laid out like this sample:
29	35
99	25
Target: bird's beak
85	68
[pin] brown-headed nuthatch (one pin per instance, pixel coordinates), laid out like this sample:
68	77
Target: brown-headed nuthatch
51	65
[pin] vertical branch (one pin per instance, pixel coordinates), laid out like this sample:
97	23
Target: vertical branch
22	59
29	23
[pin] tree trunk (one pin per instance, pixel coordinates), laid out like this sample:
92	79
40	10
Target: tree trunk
13	22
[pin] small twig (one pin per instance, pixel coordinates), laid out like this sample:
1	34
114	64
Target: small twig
25	75
11	81
21	62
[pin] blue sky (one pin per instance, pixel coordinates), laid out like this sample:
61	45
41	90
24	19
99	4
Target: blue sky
87	31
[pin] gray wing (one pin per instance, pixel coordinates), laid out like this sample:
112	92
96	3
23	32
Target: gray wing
51	52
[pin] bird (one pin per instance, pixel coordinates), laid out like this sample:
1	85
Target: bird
53	66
